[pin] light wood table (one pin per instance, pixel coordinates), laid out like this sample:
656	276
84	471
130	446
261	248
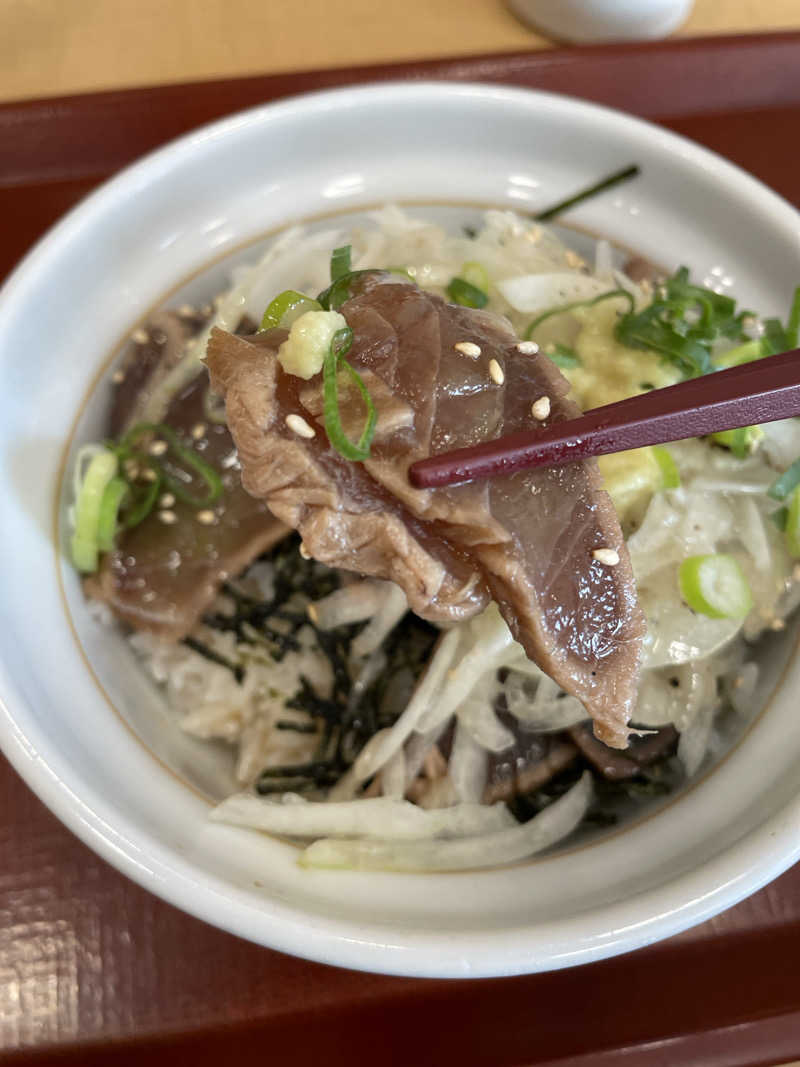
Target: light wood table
52	47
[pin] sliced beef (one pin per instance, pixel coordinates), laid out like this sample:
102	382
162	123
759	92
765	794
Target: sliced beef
526	540
162	577
619	767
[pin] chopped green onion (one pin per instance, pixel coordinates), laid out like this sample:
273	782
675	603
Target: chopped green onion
334	362
741	441
562	308
774	340
745	353
341	262
108	521
332	298
467	295
715	585
187	455
404	271
792	529
286	307
143	500
88	509
780	517
563	356
786	483
476	274
670	475
599	187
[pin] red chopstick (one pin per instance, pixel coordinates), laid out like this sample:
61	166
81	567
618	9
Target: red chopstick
761	391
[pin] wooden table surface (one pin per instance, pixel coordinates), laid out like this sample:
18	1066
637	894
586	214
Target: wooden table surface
50	47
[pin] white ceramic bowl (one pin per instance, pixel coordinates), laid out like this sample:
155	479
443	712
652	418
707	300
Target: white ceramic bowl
109	774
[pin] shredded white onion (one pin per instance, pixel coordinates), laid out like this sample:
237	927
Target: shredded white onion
485	850
386	817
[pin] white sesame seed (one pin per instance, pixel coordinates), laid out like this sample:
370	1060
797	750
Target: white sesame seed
149	475
468	348
167	501
312	613
573	259
158	448
528	348
118	377
496	372
777	624
540	408
168	517
186	311
607	556
198	430
297	424
206	517
304	551
140	336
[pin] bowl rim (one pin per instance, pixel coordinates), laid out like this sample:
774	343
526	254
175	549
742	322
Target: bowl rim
738	870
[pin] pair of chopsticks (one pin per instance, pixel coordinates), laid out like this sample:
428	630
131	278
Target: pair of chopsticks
762	391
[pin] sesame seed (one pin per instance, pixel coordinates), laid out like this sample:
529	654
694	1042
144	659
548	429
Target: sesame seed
468	348
312	613
608	556
140	336
777	624
186	311
149	475
167	501
540	408
528	348
118	377
131	468
158	448
297	424
168	517
573	259
206	517
496	372
304	551
198	430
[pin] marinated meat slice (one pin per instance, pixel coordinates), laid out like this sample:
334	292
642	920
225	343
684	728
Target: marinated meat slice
161	577
346	519
531	538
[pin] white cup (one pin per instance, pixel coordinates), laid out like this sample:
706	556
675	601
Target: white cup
587	21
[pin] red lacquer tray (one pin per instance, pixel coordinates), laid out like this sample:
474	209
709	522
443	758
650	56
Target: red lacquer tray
94	970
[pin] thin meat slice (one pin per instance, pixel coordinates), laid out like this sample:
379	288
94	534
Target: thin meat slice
530	538
162	575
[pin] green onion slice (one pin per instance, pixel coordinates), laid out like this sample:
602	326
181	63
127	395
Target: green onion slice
334	362
715	585
741	441
108	521
670	475
462	292
286	307
787	483
563	356
84	544
623	175
793	322
341	262
745	353
476	274
187	456
792	530
562	308
142	501
332	298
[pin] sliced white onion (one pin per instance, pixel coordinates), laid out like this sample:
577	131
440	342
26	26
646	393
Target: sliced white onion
468	766
693	743
391	609
393	775
352	603
538	292
479	718
385	743
485	850
390	818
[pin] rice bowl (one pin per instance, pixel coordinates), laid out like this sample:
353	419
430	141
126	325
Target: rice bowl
505	892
